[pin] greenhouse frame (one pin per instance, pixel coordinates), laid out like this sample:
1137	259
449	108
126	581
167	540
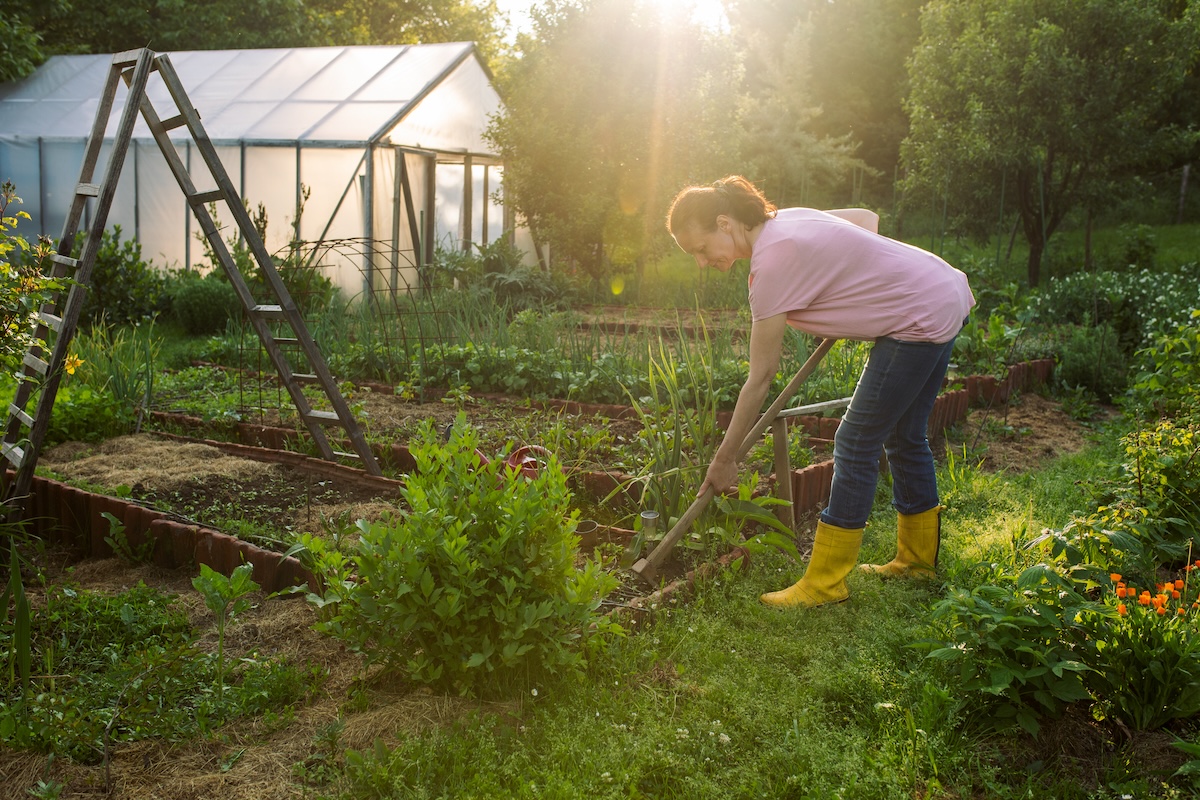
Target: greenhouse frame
378	147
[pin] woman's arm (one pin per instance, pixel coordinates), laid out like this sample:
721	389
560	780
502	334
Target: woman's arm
862	217
766	345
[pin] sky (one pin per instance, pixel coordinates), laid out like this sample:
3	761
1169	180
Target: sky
705	11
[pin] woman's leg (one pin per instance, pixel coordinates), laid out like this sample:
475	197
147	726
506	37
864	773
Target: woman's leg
914	480
895	386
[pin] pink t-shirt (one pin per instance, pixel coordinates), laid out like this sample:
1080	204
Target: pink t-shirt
837	280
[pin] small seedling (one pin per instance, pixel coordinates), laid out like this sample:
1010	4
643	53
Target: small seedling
226	598
119	542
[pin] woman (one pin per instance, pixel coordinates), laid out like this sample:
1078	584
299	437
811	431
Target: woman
832	275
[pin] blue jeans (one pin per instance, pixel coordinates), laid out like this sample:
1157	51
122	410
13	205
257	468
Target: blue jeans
890	413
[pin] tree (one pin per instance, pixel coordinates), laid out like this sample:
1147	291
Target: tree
609	111
782	150
20	47
854	82
1057	101
82	26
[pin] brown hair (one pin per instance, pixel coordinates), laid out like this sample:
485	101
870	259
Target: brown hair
733	196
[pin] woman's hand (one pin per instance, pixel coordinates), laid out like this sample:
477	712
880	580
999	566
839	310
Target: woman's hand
722	476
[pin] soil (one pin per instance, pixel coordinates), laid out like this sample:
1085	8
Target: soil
251	759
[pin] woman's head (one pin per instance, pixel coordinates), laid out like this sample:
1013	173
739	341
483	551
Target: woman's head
734	197
713	224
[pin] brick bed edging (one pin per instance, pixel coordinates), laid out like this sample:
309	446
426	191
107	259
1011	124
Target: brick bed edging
64	515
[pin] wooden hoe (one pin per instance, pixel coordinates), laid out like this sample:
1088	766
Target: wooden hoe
647	568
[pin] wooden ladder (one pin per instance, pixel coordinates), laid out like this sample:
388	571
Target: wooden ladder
58	319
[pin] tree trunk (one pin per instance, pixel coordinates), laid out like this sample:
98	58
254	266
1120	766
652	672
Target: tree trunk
1183	187
1035	261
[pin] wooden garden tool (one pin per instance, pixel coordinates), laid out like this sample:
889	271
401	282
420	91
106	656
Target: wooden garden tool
647	568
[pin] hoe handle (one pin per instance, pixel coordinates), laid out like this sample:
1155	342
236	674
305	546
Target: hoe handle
647	568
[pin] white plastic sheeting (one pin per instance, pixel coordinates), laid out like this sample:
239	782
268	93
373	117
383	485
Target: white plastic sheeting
331	120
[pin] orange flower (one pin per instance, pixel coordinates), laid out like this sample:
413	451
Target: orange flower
1123	611
1182	611
1120	591
1175	595
1161	611
1178	583
1144	599
1114	576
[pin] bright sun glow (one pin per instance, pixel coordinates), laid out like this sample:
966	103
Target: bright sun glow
709	13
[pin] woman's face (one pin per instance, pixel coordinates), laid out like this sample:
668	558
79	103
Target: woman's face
716	248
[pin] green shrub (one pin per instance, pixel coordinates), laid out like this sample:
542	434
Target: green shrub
1013	643
473	585
1166	383
23	287
1162	475
203	306
124	287
1092	359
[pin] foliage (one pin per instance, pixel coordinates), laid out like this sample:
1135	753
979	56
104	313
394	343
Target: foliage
473	585
1161	473
1145	667
85	414
679	432
496	273
1011	642
119	542
607	113
1170	372
124	667
855	56
124	287
225	597
778	114
74	26
121	363
20	47
23	287
996	100
203	304
1092	359
307	284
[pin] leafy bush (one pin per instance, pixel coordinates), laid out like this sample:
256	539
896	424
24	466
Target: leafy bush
473	585
1013	642
1162	475
1092	359
1140	305
1166	383
84	414
23	288
124	287
203	305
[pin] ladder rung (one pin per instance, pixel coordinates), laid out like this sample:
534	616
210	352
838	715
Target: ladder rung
50	321
66	261
26	420
126	58
268	310
286	340
177	121
13	453
204	198
88	189
36	364
325	416
304	376
341	454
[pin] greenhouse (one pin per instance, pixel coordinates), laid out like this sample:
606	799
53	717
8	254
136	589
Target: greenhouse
375	151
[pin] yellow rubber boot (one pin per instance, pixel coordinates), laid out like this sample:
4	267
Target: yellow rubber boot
918	538
834	553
